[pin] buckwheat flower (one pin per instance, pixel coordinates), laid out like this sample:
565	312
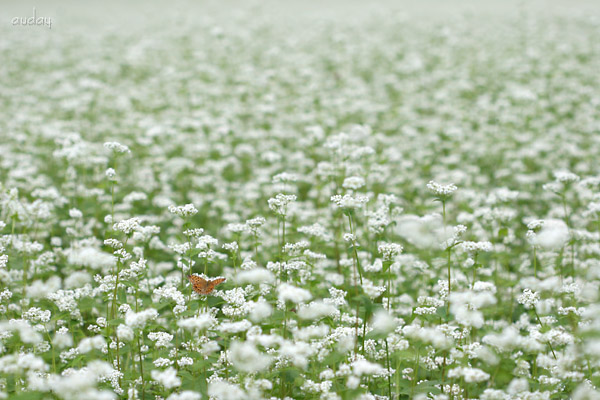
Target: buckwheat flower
21	362
383	322
161	339
167	378
36	314
127	226
353	183
427	335
111	175
185	361
316	230
3	261
185	395
184	211
353	382
91	343
222	390
350	238
553	235
255	223
298	352
62	338
535	224
565	177
162	362
279	203
114	243
585	391
255	276
440	190
193	232
349	202
517	385
476	247
317	309
245	357
230	247
287	292
26	332
206	241
364	367
77	279
117	148
260	311
470	375
284	177
138	320
528	298
75	213
389	250
124	333
237	228
424	232
235	327
170	293
90	257
200	322
508	340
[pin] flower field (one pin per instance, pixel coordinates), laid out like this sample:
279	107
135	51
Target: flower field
267	205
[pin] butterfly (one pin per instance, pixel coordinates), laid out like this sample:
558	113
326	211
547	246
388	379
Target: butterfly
203	286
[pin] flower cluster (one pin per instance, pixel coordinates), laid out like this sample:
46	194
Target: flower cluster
243	208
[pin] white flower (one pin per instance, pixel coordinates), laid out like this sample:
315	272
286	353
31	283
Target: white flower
75	213
528	298
291	293
255	276
184	211
117	147
471	375
127	226
349	202
389	250
200	322
364	367
168	378
553	235
260	311
317	309
353	182
476	247
222	390
124	333
139	320
279	204
185	395
245	357
383	322
443	191
90	343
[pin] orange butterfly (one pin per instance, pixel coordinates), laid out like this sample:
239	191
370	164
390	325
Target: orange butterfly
203	286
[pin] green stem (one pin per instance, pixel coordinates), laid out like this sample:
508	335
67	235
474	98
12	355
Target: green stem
141	364
414	382
534	261
542	326
448	251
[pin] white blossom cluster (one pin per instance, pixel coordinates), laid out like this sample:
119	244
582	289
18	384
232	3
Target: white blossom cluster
302	201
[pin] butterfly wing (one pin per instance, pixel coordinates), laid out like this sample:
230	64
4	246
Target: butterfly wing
213	283
202	286
199	284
